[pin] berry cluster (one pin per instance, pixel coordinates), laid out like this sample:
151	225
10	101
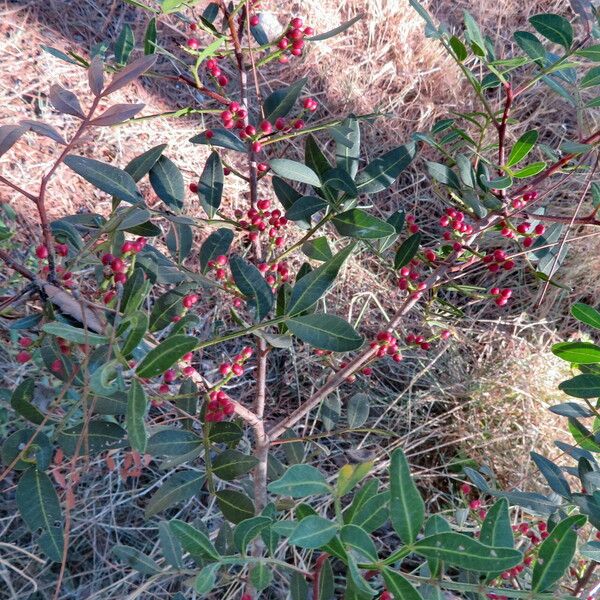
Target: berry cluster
409	276
497	260
218	407
387	344
292	42
236	368
212	66
170	375
502	295
455	220
417	340
260	219
275	274
519	203
116	268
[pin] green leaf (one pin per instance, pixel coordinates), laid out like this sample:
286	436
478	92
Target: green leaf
100	436
552	474
21	401
591	78
226	432
280	102
496	528
235	506
173	442
350	475
64	101
300	481
74	334
248	529
231	464
165	355
586	314
358	540
583	436
37	500
338	179
436	524
583	353
582	386
193	540
216	244
129	73
105	177
373	513
474	34
210	185
383	171
529	170
317	249
407	509
459	48
467	553
523	146
358	410
135	324
325	331
313	286
136	559
222	138
336	30
137	405
296	171
304	208
206	579
167	181
169	545
554	28
347	156
443	174
555	553
39	451
176	489
299	587
124	45
141	165
500	183
399	586
285	193
591	551
530	44
150	37
407	250
313	532
261	576
165	308
252	284
591	52
356	578
360	224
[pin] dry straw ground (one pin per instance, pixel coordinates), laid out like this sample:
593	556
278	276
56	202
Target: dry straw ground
482	396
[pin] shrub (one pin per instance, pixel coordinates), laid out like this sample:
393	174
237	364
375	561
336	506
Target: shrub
126	345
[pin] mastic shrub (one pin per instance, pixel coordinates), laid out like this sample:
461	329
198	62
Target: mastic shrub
146	389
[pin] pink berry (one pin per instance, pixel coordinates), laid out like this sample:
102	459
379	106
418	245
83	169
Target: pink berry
117	265
169	376
193	43
238	370
41	252
465	488
254	20
23	356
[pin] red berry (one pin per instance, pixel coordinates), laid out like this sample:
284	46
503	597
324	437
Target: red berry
169	376
163	388
238	370
465	488
386	596
222	80
25	342
127	247
280	123
117	265
282	44
62	249
189	300
189	371
23	356
41	252
107	259
225	369
193	188
263	204
256	146
120	278
309	31
540	229
445	334
298	124
475	504
266	127
56	366
193	43
296	22
209	134
108	297
254	20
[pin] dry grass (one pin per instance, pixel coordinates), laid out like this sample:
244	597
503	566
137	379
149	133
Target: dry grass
474	396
